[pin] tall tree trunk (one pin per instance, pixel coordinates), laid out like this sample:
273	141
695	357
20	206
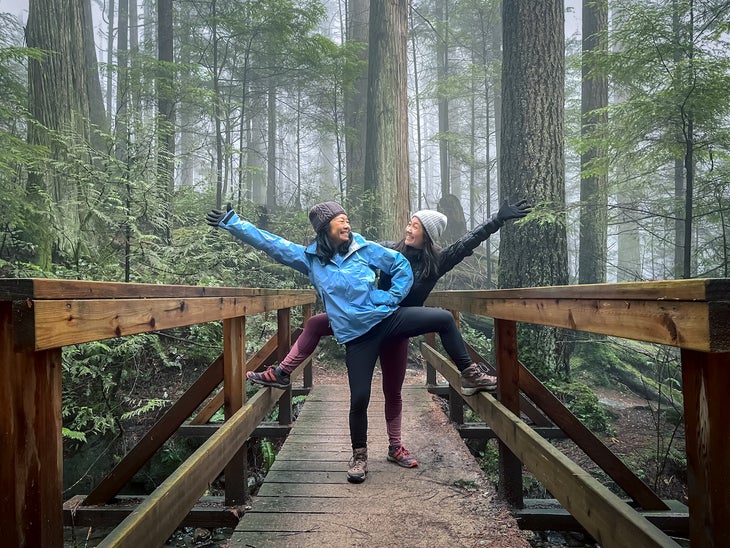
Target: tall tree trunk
271	149
678	164
217	107
442	73
255	169
594	187
417	108
165	111
689	162
356	110
97	116
59	101
386	151
122	128
110	63
533	72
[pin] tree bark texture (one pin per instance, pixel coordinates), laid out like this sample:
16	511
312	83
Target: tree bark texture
355	111
386	150
532	162
59	102
165	111
593	187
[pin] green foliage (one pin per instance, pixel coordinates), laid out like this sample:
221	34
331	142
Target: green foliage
583	402
267	450
93	374
145	406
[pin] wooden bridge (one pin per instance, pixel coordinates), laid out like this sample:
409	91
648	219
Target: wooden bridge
38	317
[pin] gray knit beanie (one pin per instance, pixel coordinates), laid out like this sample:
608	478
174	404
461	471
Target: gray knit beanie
434	222
321	214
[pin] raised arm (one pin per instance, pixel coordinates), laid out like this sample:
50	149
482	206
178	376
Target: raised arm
464	246
278	248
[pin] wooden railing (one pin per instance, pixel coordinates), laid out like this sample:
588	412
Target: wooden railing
693	315
40	316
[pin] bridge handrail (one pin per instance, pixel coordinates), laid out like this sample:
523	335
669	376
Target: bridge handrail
692	315
40	316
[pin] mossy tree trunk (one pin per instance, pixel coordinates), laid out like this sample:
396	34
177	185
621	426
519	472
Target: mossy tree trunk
534	254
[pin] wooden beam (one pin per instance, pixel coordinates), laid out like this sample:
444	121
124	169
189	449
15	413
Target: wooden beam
698	289
48	288
479	431
705	382
508	392
42	324
160	514
234	364
682	324
156	436
606	518
110	515
674	521
31	461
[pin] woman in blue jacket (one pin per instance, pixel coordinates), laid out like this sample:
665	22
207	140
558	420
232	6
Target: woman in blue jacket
341	266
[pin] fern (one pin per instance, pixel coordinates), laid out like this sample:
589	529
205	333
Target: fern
146	407
73	434
267	450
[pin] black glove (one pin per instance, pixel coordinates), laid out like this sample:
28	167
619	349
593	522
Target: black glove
214	216
509	211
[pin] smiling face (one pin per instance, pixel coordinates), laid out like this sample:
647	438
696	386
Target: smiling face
415	235
339	230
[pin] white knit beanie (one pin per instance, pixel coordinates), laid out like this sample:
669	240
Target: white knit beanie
434	222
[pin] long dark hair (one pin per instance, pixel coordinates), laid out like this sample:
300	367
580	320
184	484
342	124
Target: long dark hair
325	251
428	265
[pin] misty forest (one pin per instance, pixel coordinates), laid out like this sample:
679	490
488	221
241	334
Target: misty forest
122	122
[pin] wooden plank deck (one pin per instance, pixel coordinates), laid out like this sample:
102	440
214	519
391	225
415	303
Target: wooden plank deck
307	501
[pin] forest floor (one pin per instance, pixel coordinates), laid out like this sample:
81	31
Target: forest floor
634	439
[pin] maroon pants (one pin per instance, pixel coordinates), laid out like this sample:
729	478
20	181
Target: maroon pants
393	360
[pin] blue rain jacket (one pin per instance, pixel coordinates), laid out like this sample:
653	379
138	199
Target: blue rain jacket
346	284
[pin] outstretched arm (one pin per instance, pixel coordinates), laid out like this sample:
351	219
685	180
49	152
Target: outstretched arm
278	248
464	246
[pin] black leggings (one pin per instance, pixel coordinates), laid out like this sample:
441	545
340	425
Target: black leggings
362	353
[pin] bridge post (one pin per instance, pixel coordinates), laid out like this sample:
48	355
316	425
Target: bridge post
234	364
31	457
508	393
705	382
308	379
283	326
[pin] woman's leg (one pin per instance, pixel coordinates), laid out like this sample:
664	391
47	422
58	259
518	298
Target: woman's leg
317	326
417	320
410	321
360	357
393	361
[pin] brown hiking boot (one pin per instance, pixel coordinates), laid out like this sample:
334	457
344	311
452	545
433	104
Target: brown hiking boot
474	379
358	469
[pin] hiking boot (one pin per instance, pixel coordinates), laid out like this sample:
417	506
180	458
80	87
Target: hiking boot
400	455
273	376
474	379
358	465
